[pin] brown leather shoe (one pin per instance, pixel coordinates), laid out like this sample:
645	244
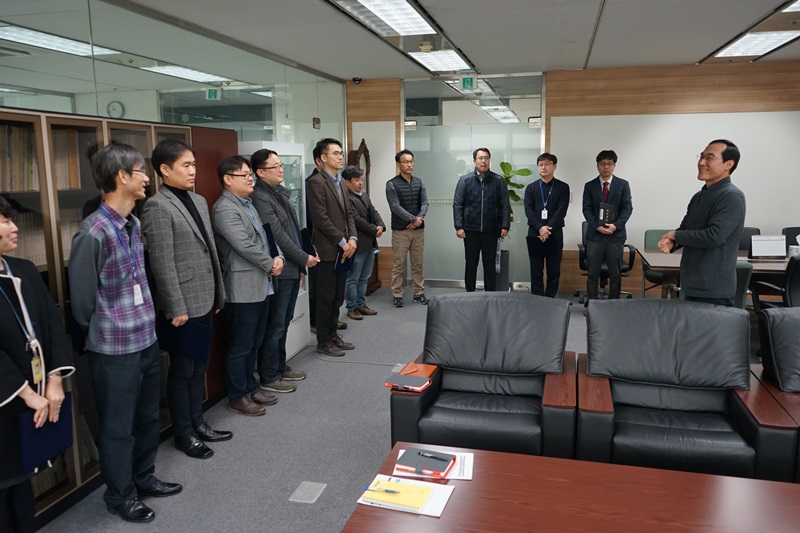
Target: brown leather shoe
262	398
367	311
328	348
339	342
354	314
246	406
341	325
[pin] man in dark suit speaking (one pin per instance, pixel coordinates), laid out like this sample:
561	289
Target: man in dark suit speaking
607	207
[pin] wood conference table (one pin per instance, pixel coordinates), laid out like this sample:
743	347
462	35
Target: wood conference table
671	263
512	492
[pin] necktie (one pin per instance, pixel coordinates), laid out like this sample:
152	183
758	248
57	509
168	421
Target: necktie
605	191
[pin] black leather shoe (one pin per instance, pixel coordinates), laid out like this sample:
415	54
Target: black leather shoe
133	510
193	447
212	435
161	489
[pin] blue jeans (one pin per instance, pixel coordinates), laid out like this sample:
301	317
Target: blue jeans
357	278
272	354
248	323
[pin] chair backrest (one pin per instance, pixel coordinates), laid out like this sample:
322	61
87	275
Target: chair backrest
652	236
744	271
791	236
669	342
778	330
488	337
791	284
747	234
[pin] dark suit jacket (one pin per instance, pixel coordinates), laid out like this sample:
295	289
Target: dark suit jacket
619	194
362	208
273	207
332	218
184	265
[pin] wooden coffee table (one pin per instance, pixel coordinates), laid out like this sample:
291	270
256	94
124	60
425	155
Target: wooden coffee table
512	492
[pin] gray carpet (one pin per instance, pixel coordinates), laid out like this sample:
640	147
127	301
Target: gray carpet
334	429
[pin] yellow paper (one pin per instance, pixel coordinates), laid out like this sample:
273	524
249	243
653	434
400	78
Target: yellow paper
410	498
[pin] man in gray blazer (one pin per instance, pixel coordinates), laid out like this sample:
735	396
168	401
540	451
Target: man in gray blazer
272	204
188	287
247	270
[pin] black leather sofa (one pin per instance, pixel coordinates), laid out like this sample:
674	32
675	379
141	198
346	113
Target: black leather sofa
503	381
665	385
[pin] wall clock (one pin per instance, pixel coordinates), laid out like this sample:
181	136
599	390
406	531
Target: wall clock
115	109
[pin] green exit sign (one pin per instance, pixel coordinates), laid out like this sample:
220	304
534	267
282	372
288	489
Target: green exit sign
468	83
213	94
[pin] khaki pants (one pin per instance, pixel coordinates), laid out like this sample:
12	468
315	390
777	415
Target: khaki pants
404	242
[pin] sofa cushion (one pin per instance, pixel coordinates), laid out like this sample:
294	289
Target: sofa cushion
668	397
680	440
780	345
503	384
497	333
484	422
669	342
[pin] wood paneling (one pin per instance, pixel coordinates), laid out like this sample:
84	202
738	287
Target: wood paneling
374	101
729	88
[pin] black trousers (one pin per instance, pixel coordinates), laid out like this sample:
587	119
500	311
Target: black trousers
126	391
609	252
185	387
480	245
311	281
16	508
330	295
727	302
553	262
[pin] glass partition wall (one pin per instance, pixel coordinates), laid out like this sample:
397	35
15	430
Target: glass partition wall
443	127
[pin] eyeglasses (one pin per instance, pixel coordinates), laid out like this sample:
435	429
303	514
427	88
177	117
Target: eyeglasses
545	164
279	165
707	157
482	158
143	171
606	164
246	177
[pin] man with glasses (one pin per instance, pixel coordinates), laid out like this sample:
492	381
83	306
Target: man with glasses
481	215
247	270
710	232
408	201
271	201
111	303
546	202
607	206
334	234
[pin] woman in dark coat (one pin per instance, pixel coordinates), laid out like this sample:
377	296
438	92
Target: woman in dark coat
19	389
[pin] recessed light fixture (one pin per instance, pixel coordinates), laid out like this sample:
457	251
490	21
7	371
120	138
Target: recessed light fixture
758	43
185	73
51	42
793	8
440	60
388	18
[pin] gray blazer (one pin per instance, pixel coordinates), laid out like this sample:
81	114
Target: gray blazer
272	204
185	267
245	263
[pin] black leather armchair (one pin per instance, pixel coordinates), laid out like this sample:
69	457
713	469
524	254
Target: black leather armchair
665	386
504	382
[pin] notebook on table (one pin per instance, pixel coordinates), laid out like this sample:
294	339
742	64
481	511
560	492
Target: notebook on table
407	495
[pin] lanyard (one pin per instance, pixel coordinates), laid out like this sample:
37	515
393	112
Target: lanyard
541	189
130	253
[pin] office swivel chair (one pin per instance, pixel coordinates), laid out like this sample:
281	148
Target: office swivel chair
789	293
656	277
744	271
626	267
747	237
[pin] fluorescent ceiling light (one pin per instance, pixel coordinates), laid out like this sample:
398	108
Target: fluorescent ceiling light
389	18
185	73
793	8
758	43
51	42
440	60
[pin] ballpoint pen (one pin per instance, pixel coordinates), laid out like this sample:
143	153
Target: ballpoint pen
432	456
388	491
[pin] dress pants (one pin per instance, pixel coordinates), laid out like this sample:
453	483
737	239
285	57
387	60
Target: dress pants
272	353
596	253
248	325
480	245
408	242
358	278
553	262
727	302
330	295
126	391
311	285
16	508
185	387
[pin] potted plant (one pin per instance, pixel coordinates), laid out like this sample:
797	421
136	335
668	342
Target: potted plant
508	176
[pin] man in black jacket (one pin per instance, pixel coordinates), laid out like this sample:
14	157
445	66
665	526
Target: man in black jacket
481	215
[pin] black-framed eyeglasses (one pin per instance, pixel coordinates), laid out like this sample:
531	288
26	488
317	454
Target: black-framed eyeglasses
279	165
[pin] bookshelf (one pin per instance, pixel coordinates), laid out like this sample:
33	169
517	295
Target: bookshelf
45	174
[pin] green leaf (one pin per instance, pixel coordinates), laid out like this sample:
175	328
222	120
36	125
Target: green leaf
513	196
506	168
515	185
521	172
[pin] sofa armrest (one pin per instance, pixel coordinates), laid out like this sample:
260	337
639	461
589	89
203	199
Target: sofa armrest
406	408
790	401
559	402
595	431
768	428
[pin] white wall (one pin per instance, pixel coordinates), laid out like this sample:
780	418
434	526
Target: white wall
139	105
381	141
658	156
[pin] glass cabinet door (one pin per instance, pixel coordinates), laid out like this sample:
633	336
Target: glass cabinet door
294	180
